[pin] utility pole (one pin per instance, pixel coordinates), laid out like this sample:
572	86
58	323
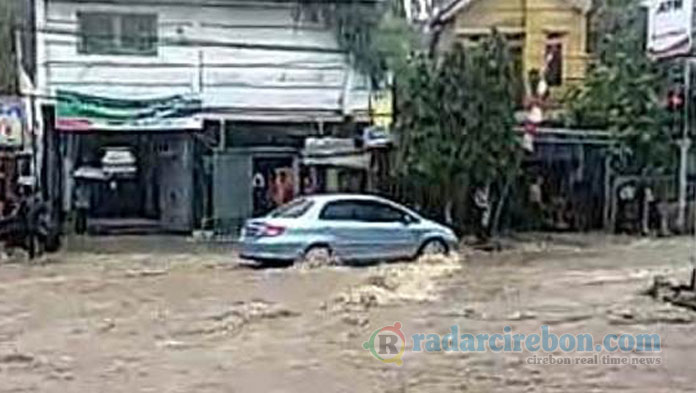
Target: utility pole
687	125
670	26
684	146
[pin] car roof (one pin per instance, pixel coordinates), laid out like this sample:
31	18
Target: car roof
325	198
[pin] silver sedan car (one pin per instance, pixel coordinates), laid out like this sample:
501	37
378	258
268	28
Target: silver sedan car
343	228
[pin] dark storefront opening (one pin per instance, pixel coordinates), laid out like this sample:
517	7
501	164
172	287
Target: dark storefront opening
273	183
141	178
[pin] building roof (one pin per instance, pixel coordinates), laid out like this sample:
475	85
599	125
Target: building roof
455	6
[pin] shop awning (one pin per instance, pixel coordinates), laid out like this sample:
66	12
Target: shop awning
337	152
358	160
90	173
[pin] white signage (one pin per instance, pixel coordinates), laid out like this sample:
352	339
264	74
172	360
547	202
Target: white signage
669	27
12	121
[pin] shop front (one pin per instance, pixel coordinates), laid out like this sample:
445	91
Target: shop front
263	165
251	181
129	165
136	180
332	165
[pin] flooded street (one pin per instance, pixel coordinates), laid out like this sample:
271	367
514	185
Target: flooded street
190	318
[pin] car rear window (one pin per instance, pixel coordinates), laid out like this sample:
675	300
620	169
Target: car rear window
294	209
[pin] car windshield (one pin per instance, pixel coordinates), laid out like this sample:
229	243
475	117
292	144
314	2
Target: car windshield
294	209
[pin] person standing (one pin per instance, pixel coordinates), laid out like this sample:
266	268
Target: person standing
646	210
483	209
82	204
288	186
626	214
536	201
258	185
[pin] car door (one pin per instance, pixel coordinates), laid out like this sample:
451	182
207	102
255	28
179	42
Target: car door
349	240
388	229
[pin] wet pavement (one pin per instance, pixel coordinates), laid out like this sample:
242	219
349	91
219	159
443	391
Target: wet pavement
161	314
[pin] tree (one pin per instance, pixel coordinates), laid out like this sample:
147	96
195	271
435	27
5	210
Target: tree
376	35
8	66
455	115
455	123
622	91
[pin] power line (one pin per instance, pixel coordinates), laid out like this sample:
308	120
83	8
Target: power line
183	42
291	65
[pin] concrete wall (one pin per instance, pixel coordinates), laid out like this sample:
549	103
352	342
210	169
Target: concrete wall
310	75
232	199
174	172
232	175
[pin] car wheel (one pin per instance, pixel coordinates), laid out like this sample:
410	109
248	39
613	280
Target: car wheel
317	256
434	247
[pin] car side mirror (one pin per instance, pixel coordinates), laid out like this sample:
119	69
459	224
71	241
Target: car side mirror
407	220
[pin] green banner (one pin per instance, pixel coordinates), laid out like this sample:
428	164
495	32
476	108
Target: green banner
81	112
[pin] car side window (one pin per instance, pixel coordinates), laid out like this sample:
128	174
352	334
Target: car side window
379	212
339	211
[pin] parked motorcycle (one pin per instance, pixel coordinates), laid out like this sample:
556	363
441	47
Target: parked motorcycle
30	227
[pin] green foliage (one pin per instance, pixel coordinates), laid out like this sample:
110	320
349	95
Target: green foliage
375	34
8	69
394	42
455	121
622	92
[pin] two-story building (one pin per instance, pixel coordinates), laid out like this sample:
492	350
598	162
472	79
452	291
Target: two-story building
549	36
177	112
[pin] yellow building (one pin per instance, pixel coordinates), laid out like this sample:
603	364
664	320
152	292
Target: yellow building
548	35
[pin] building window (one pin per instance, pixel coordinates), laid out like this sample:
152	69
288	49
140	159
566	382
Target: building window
591	33
517	57
554	60
117	34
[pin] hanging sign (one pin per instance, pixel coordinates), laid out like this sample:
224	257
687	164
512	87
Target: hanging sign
13	121
382	111
669	27
80	112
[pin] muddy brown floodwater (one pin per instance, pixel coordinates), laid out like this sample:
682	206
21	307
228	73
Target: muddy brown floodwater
165	315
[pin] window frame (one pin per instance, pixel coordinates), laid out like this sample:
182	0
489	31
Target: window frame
405	216
328	205
555	40
377	204
114	38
